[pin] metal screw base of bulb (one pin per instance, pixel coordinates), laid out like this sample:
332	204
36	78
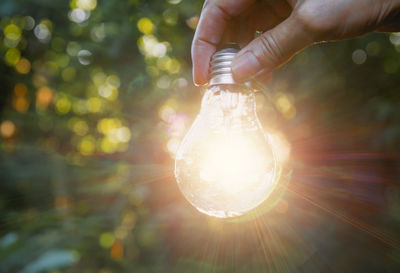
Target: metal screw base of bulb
221	62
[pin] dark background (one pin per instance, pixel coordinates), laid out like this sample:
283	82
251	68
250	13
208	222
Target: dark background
95	97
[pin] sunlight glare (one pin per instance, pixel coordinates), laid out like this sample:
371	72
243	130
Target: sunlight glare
233	165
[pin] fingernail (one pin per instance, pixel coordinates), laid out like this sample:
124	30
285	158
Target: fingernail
245	66
197	82
198	78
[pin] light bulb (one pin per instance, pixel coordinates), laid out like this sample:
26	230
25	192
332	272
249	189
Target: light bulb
225	165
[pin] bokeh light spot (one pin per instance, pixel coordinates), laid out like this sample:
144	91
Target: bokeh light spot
150	47
108	146
79	15
12	32
21	104
86	4
84	57
108	91
359	56
23	66
117	250
20	101
79	107
94	105
98	33
63	105
174	2
73	48
29	22
114	81
173	145
163	82
105	125
39	80
68	74
7	129
124	134
81	127
43	98
42	32
145	26
395	38
87	145
62	60
106	240
192	22
284	104
12	56
20	90
165	112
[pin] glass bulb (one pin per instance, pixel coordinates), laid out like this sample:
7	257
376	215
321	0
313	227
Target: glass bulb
225	165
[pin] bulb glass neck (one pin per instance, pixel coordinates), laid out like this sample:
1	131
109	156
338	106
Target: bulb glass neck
221	65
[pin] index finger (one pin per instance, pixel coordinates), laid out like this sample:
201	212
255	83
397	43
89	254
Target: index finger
212	24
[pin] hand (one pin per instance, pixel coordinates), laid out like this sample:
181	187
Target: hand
288	26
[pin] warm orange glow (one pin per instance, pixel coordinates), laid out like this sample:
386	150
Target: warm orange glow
192	22
23	66
7	129
43	97
21	104
20	90
117	250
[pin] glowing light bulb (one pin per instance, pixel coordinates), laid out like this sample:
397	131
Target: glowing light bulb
225	165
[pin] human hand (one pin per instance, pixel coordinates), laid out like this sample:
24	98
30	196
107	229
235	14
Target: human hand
288	26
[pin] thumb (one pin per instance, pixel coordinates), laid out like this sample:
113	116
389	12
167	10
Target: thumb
270	50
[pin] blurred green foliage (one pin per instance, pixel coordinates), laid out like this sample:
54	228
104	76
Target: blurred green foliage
96	96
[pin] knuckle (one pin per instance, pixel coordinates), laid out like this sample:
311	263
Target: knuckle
199	43
271	53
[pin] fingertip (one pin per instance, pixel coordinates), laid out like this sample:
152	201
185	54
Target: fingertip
198	83
199	79
201	56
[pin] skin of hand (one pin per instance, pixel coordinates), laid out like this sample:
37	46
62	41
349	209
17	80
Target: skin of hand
288	26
